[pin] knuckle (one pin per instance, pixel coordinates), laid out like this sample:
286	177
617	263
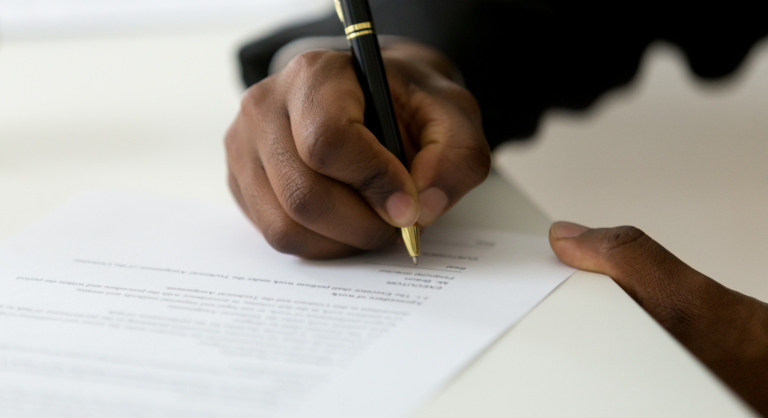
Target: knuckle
480	161
623	236
466	102
321	141
256	98
312	66
239	148
305	202
231	142
306	60
236	143
234	187
476	162
632	251
458	94
283	237
242	136
373	183
657	280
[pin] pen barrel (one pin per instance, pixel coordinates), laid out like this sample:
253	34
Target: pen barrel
369	67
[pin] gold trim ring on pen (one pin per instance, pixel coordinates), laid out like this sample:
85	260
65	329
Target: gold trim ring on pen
358	26
356	34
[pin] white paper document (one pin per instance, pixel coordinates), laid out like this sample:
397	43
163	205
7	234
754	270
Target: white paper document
126	306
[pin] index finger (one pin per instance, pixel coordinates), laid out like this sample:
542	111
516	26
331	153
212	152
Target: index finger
327	118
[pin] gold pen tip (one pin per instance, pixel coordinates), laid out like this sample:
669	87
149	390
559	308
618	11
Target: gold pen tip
415	260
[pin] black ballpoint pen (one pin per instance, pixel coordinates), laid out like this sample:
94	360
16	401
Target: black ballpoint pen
369	66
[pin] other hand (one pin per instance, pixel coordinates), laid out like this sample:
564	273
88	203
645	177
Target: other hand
726	330
318	184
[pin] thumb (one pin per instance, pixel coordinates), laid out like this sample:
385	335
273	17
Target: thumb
723	328
661	283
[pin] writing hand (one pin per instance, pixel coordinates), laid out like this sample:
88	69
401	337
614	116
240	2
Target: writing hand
318	184
726	330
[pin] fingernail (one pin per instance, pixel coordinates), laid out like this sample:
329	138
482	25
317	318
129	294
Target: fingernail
566	230
433	202
402	209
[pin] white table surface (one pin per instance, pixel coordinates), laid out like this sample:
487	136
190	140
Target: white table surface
149	113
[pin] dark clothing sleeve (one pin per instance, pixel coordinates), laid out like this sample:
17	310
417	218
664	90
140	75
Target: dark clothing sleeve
520	58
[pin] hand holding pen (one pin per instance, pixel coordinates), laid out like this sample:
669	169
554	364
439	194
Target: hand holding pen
317	182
